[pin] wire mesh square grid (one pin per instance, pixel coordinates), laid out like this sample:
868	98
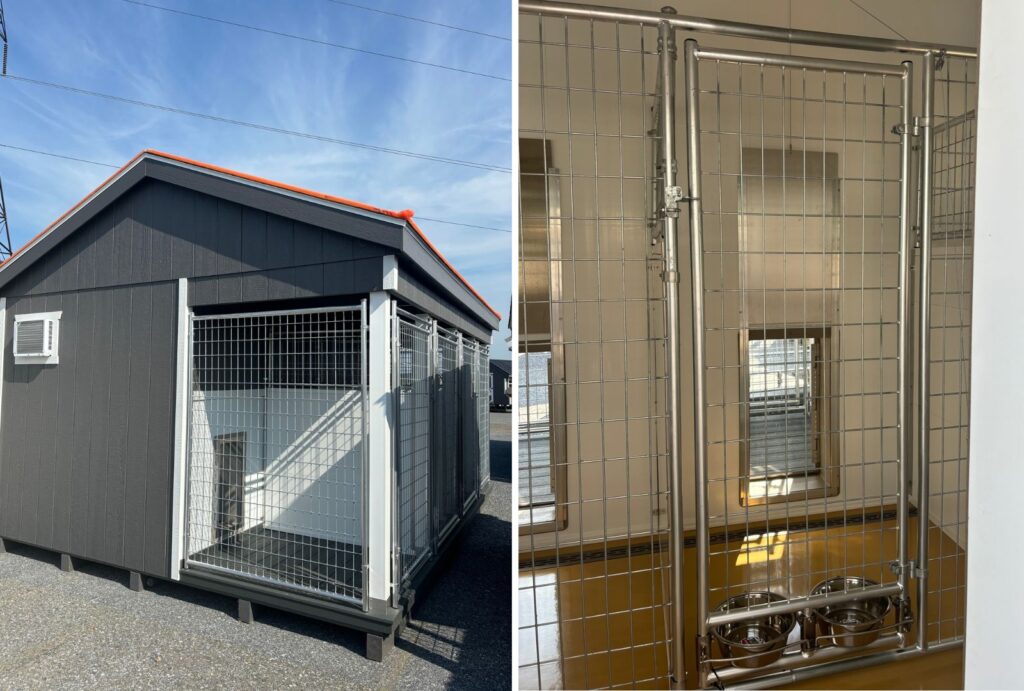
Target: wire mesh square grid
803	290
949	299
276	449
414	481
445	415
593	490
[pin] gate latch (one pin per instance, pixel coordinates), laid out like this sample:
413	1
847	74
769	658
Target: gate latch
673	195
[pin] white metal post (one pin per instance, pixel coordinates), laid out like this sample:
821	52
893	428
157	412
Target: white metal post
183	360
380	445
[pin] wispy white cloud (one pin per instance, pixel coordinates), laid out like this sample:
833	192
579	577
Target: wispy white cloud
155	56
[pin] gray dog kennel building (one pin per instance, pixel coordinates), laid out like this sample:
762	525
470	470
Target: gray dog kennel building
246	387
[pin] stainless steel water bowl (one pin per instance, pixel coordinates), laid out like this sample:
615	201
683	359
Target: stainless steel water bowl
853	623
753	642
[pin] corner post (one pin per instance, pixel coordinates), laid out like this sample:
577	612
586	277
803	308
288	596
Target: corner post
377	494
697	295
924	344
183	368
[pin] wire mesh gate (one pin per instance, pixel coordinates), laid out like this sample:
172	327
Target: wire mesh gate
277	443
800	235
804	369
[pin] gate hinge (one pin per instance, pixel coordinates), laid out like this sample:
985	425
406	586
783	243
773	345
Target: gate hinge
911	568
702	649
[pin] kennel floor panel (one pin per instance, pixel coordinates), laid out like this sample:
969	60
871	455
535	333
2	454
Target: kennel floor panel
326	566
600	621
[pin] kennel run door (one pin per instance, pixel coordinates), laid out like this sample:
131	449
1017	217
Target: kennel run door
798	173
277	438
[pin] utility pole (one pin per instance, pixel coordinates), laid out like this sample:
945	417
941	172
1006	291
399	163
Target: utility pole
5	232
3	37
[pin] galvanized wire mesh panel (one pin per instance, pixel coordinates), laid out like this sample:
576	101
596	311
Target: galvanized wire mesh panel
949	299
803	290
276	444
591	389
445	413
414	353
483	411
469	423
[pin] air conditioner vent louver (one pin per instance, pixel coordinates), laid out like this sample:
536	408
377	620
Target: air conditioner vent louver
35	338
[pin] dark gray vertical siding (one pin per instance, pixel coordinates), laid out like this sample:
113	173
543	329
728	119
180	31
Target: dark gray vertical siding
117	430
86	449
49	384
85	375
87	444
64	423
98	420
159	450
139	405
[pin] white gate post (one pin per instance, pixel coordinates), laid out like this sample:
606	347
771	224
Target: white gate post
380	436
182	391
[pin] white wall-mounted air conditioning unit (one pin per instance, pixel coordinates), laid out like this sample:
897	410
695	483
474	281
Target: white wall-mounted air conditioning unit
36	338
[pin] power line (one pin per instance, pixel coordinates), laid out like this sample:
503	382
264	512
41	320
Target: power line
111	165
420	19
53	155
317	41
264	128
877	19
464	225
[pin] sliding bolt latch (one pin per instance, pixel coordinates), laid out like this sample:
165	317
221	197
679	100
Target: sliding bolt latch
673	195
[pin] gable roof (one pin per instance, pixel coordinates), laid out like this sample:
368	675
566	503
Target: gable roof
25	255
502	365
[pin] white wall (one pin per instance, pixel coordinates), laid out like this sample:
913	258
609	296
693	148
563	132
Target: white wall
994	561
302	474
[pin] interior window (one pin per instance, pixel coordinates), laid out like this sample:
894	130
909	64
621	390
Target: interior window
788	445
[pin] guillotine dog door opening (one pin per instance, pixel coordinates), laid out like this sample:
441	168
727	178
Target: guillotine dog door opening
276	449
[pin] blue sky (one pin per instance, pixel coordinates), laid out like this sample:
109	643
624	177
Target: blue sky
145	54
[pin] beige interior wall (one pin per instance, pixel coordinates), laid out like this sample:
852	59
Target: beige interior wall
608	274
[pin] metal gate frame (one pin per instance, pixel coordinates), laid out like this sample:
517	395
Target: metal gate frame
667	202
902	566
363	599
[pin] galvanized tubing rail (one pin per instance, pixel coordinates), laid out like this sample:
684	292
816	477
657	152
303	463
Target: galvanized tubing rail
670	219
741	29
925	124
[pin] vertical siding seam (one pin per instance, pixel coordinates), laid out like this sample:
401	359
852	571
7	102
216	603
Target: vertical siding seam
74	418
145	484
127	418
106	436
56	446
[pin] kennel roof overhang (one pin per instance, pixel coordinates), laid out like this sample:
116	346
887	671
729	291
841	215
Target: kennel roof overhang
399	231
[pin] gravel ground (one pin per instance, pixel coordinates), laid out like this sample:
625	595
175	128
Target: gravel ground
87	630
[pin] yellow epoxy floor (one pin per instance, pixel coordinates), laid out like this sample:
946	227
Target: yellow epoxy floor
602	623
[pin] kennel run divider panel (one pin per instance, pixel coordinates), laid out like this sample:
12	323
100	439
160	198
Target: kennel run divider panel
414	372
949	328
277	443
593	494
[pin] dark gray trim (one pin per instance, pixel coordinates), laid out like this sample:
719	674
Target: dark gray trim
420	255
380	618
418	294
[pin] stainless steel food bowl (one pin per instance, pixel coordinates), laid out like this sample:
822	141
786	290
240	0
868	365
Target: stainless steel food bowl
853	623
753	642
